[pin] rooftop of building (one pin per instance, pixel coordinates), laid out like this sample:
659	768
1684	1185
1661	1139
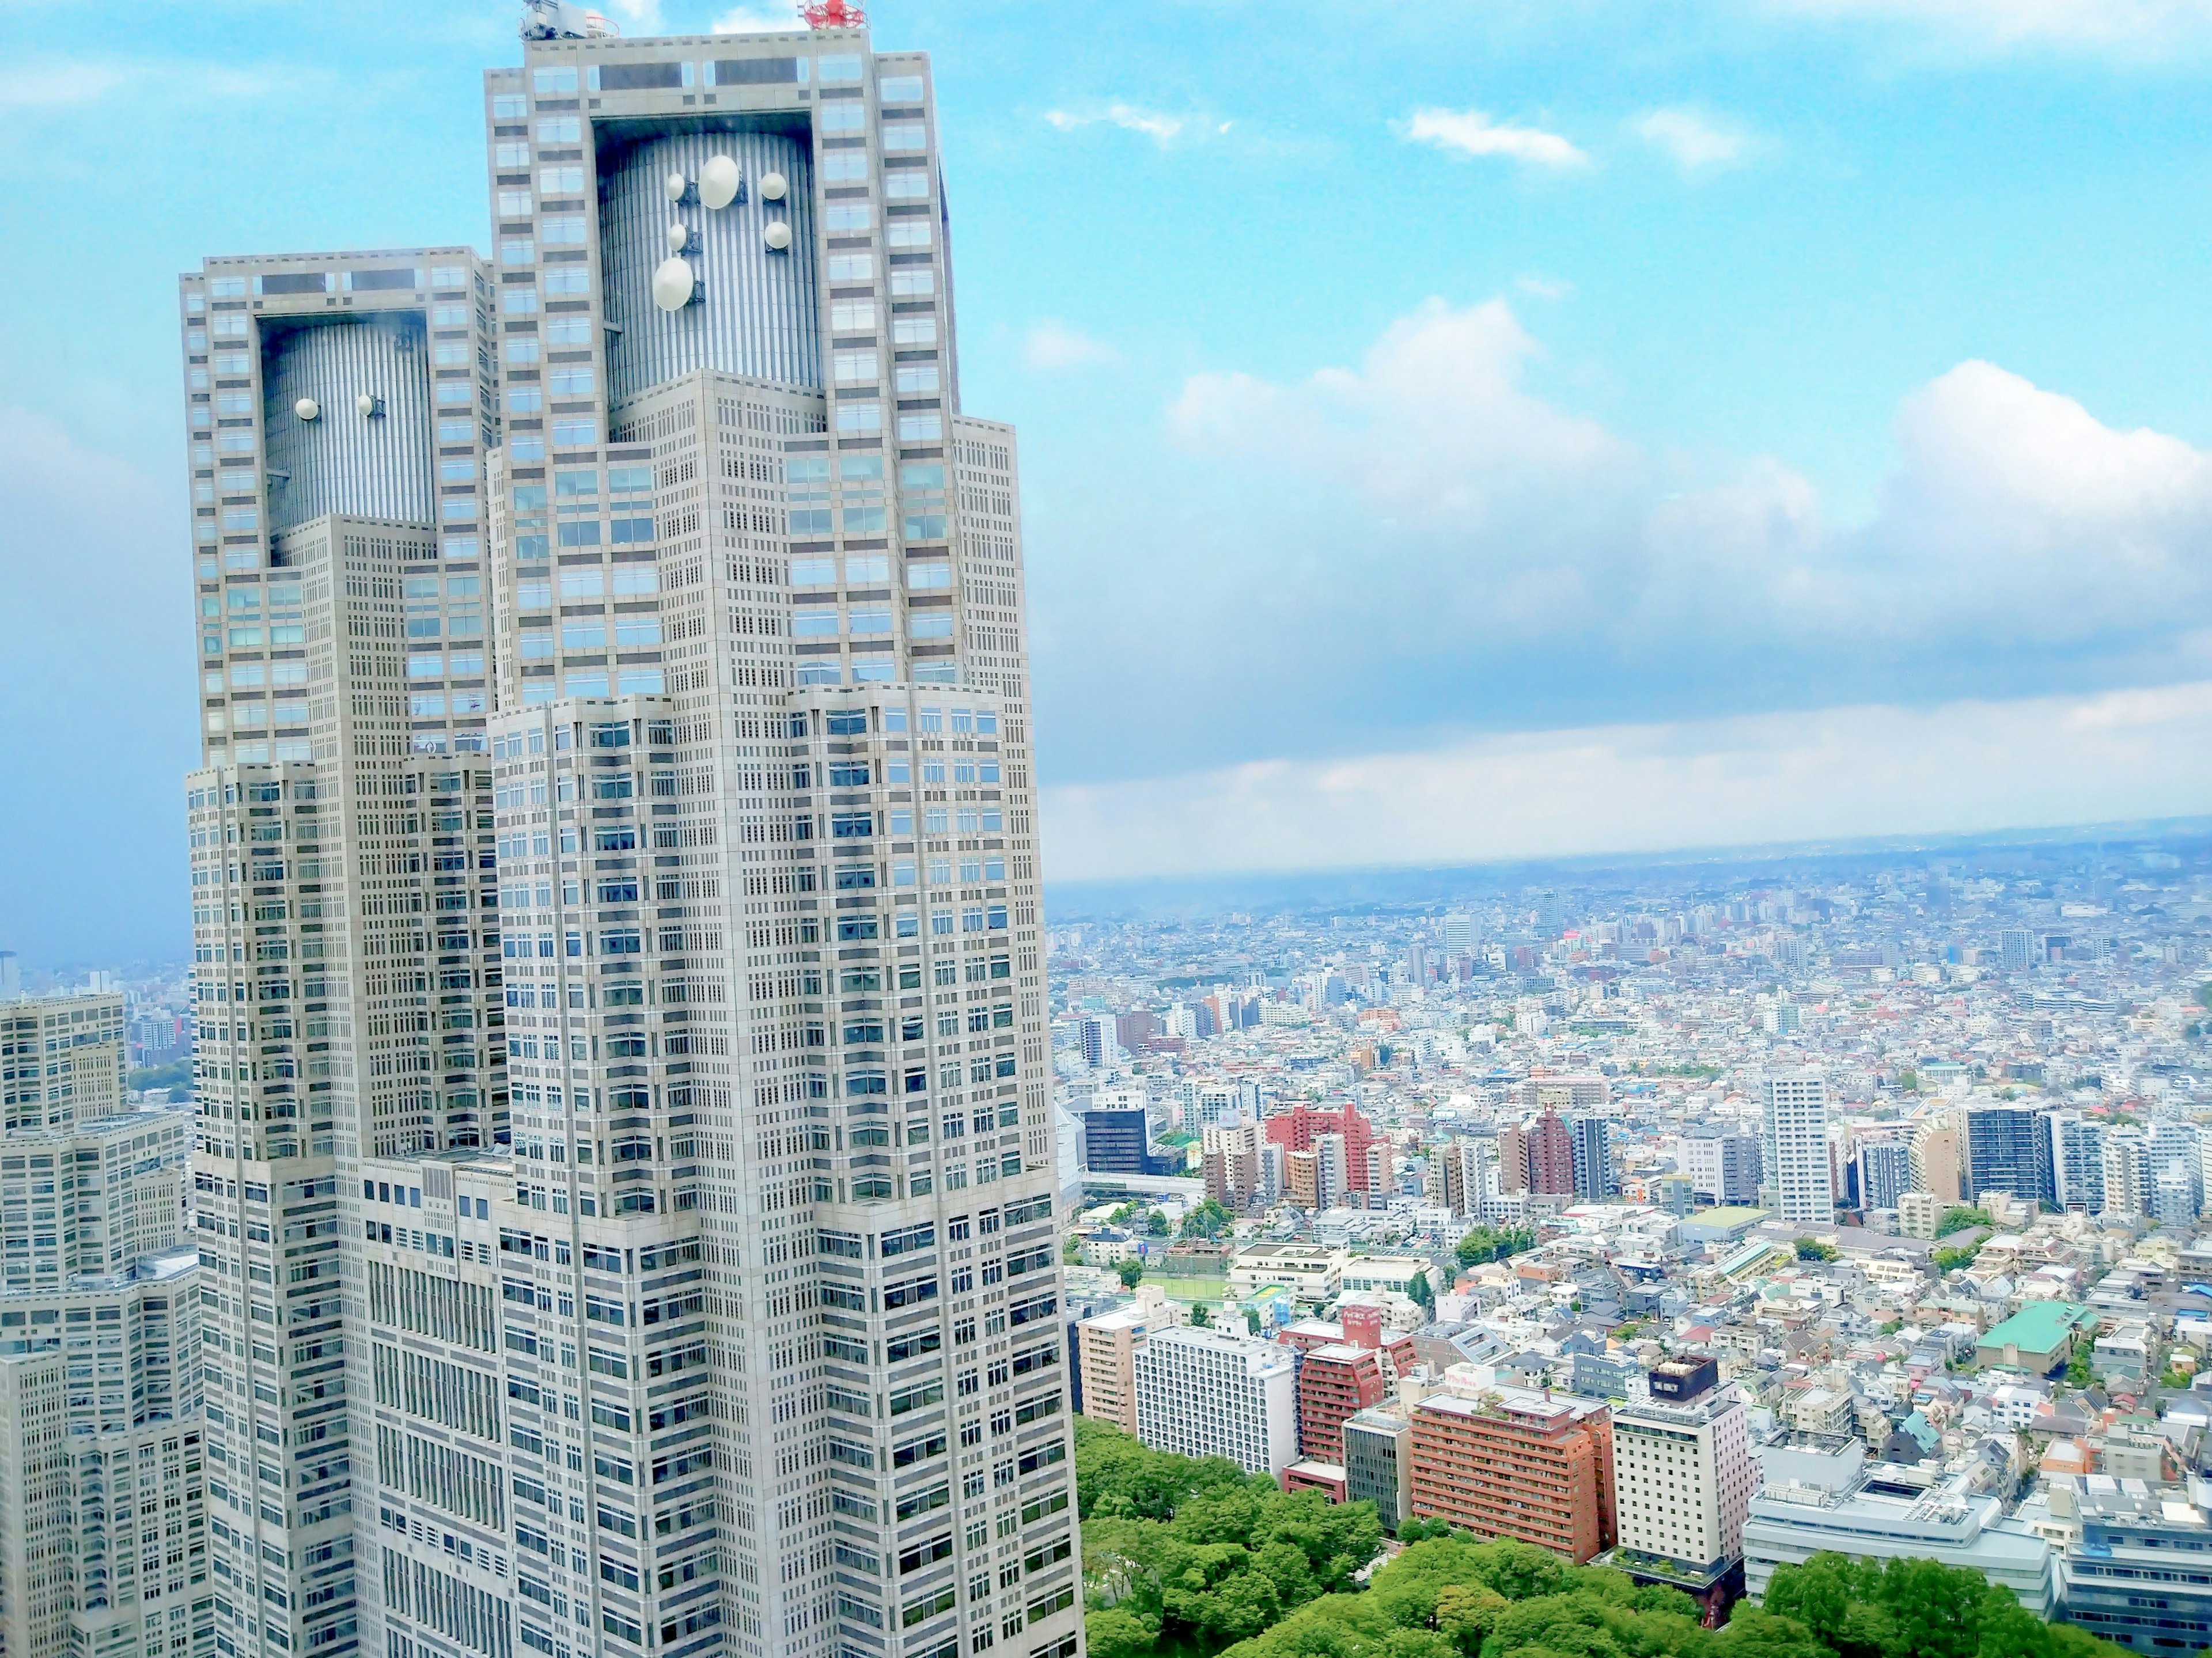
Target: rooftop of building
1526	1406
2040	1325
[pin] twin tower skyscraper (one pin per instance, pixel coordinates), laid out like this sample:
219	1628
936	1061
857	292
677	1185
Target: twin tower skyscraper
625	1182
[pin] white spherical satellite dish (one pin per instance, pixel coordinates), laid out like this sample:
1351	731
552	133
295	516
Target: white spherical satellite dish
772	186
308	409
365	405
777	235
671	284
675	185
678	236
718	181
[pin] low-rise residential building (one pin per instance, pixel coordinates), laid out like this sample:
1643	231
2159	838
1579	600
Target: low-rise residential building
1314	1275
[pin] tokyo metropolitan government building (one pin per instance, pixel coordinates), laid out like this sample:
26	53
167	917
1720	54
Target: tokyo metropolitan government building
625	1176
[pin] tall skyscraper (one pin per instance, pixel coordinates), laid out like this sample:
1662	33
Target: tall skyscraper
104	1477
1795	1152
615	898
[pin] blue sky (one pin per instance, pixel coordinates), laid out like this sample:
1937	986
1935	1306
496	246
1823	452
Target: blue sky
1632	385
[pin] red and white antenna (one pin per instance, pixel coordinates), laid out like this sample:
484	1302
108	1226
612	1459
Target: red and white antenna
833	15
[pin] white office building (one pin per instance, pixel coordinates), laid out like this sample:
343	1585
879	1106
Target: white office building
1683	1476
1209	1392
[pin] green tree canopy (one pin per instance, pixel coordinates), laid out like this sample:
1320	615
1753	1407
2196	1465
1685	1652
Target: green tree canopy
1488	1242
1189	1559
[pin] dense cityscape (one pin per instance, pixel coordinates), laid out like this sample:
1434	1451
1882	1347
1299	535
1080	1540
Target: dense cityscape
634	1159
1834	1205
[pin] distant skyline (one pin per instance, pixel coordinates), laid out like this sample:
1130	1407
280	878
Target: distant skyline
1450	432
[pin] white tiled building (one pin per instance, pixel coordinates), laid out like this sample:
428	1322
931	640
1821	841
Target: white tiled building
1206	1393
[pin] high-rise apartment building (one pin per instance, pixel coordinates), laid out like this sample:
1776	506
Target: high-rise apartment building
625	1157
1594	1176
1230	1162
2079	1162
1550	1154
1885	1172
1932	1149
2011	1149
2130	1172
1106	1353
1795	1149
1517	1464
1214	1392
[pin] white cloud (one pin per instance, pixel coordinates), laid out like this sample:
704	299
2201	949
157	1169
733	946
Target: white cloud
1538	287
751	20
1052	346
637	16
1832	774
1470	132
2014	517
1161	129
1696	142
1434	426
2016	22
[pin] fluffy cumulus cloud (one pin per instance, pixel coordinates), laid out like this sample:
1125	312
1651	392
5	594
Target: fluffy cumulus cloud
1383	557
1836	774
1470	132
2121	23
2014	518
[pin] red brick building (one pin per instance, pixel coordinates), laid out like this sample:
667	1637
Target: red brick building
1344	1368
1520	1465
